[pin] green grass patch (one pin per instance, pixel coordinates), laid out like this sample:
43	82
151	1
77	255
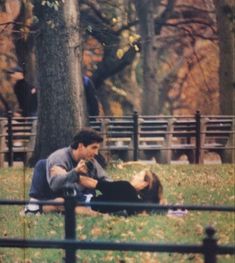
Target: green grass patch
183	184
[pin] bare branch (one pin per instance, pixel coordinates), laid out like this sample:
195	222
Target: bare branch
164	16
97	11
128	26
192	21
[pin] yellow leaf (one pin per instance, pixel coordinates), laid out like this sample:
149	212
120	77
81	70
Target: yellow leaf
120	53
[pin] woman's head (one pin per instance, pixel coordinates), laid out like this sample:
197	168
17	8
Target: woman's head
148	186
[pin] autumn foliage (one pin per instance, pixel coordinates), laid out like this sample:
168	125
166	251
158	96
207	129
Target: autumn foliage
187	55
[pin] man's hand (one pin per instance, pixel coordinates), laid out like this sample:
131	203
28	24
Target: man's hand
81	167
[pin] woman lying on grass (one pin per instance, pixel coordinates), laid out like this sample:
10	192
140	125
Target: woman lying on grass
144	187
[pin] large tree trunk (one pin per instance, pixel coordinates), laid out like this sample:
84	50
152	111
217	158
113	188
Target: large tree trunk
145	10
224	13
62	109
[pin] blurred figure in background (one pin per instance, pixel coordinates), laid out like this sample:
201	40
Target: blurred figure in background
25	93
91	98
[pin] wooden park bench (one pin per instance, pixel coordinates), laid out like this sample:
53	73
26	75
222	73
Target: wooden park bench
117	134
217	135
165	138
152	137
17	139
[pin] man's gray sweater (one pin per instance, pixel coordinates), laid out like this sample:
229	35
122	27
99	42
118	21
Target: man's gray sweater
63	158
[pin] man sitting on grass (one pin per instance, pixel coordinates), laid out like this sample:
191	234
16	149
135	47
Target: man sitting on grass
75	160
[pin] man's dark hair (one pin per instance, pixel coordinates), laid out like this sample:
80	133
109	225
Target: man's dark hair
86	136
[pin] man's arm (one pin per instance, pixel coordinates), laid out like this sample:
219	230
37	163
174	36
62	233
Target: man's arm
85	181
58	176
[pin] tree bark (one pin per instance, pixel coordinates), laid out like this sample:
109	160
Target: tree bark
145	10
62	109
224	14
225	25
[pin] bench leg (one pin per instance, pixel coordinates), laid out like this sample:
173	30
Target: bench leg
2	159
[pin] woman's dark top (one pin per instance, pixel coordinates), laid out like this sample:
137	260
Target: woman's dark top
119	191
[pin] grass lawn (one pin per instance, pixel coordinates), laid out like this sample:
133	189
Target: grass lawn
183	184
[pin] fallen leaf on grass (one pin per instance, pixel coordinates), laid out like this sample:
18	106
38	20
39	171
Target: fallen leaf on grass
79	228
82	237
52	232
37	254
199	229
223	238
109	257
128	234
195	258
160	234
96	231
127	260
147	257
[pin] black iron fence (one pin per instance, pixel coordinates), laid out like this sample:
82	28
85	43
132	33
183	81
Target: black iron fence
209	247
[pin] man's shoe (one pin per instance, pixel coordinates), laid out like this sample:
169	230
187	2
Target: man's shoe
32	209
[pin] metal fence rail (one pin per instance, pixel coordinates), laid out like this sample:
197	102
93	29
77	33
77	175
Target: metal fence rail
124	246
209	247
156	207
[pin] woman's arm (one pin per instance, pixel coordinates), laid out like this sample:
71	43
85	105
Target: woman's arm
88	182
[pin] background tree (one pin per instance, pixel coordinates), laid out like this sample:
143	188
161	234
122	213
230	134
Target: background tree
146	14
62	108
225	25
23	34
184	55
108	23
183	35
173	52
9	10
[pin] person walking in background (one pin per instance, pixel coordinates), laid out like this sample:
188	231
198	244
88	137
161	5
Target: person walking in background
25	93
91	97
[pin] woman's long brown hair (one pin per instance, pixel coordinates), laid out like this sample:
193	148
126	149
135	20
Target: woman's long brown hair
154	191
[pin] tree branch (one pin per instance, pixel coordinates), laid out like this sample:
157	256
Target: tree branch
97	11
164	16
110	66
